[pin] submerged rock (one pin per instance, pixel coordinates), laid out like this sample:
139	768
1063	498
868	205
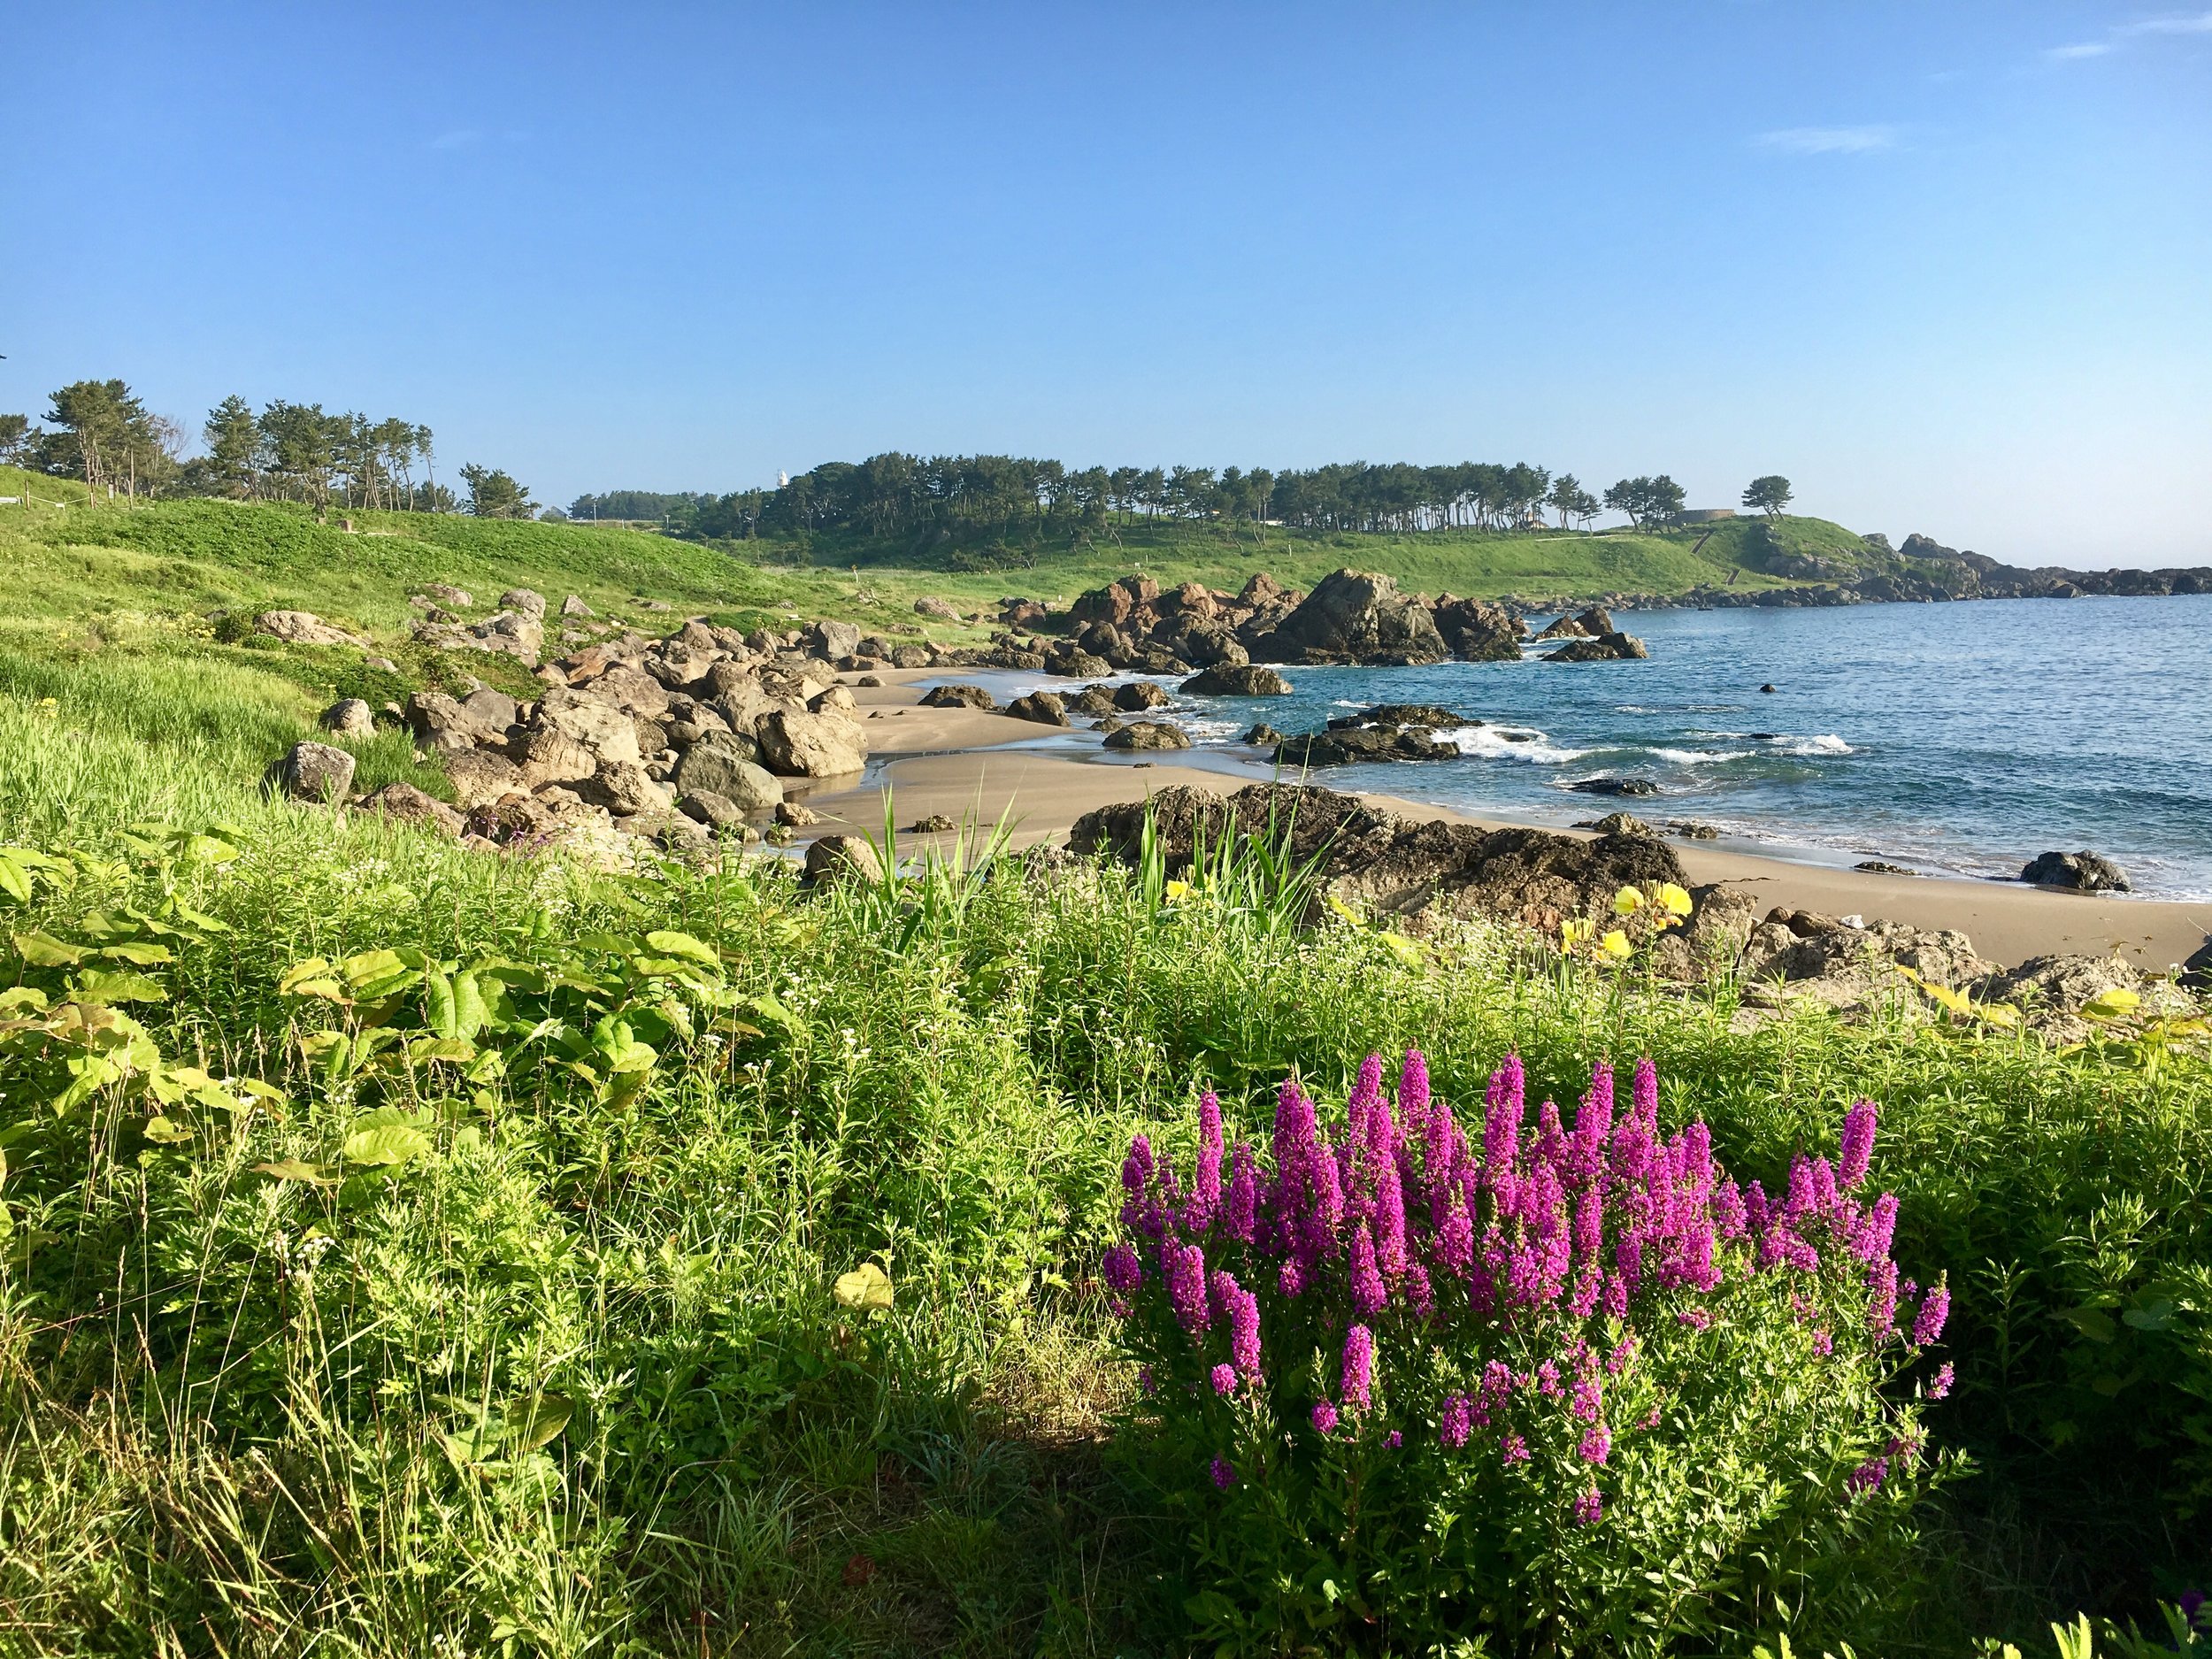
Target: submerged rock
1615	786
1604	648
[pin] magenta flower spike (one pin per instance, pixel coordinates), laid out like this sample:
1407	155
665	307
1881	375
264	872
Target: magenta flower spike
1186	1267
1934	1310
1324	1417
1240	1212
1370	1294
1358	1370
1413	1097
1205	1195
1854	1150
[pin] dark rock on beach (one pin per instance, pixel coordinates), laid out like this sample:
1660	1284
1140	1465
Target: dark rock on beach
2082	872
1359	616
1237	680
958	698
1148	734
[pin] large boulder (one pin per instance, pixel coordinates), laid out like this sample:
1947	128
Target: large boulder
1388	862
2084	871
547	755
1604	648
1138	695
810	745
1797	955
842	858
940	610
958	698
1359	616
524	601
349	716
404	803
600	726
310	772
833	640
1041	706
302	627
1148	734
1478	632
625	789
513	634
1248	679
1365	743
479	776
723	765
447	723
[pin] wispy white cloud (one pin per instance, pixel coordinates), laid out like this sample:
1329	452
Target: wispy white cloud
1829	140
2173	23
2190	23
460	138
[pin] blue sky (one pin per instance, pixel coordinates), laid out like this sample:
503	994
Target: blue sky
1949	266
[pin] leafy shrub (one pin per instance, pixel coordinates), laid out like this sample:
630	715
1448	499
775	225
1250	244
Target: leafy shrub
1579	1390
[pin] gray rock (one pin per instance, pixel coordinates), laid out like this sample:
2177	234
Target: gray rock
302	627
958	698
842	858
446	594
935	824
599	725
1261	736
810	745
705	806
1881	867
2084	871
833	640
1092	700
625	789
836	699
481	776
1359	616
1605	647
545	754
911	657
1040	706
311	771
1615	786
795	815
1691	830
349	716
512	634
1148	734
1138	695
1247	681
442	723
1477	631
572	606
720	764
1618	824
943	609
524	602
1365	743
404	803
494	710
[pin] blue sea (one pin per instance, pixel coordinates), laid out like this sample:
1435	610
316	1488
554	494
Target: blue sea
1951	739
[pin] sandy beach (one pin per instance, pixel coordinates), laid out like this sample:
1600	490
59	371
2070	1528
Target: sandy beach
974	768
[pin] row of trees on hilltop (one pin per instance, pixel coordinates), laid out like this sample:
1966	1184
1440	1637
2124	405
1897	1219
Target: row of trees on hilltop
896	494
102	433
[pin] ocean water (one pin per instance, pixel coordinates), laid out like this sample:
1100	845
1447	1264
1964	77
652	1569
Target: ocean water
1955	739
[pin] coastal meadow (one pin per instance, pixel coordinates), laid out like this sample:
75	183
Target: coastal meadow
408	1248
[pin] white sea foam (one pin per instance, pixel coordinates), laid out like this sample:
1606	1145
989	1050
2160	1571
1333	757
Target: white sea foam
1510	742
1827	743
1701	756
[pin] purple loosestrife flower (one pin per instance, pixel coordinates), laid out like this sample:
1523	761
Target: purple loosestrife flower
1615	1297
1593	1125
1136	1169
1456	1423
1870	1239
1223	1474
1588	1508
1596	1446
1240	1214
1729	1214
1824	1345
1370	1294
1205	1192
1123	1272
1551	1139
1144	1380
1929	1325
1290	1279
1185	1267
1855	1149
1413	1099
1939	1385
1513	1450
1585	1401
1325	1205
1644	1093
1358	1370
1390	1219
1868	1477
1324	1417
1244	1330
1225	1380
1394	1438
1419	1293
1456	1238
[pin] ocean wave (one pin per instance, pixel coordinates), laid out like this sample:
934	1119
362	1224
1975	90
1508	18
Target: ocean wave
1510	742
1783	742
1701	756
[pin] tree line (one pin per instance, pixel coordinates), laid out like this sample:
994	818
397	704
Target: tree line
102	433
896	494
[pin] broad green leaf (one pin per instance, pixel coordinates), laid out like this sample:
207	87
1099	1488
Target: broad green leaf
2094	1323
866	1287
297	1170
442	1049
138	953
538	1422
437	1004
2113	1004
674	944
15	880
469	1011
636	1057
393	1144
311	978
117	987
165	1131
43	950
205	849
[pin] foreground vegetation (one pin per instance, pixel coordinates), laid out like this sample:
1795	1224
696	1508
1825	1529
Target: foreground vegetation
471	1264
